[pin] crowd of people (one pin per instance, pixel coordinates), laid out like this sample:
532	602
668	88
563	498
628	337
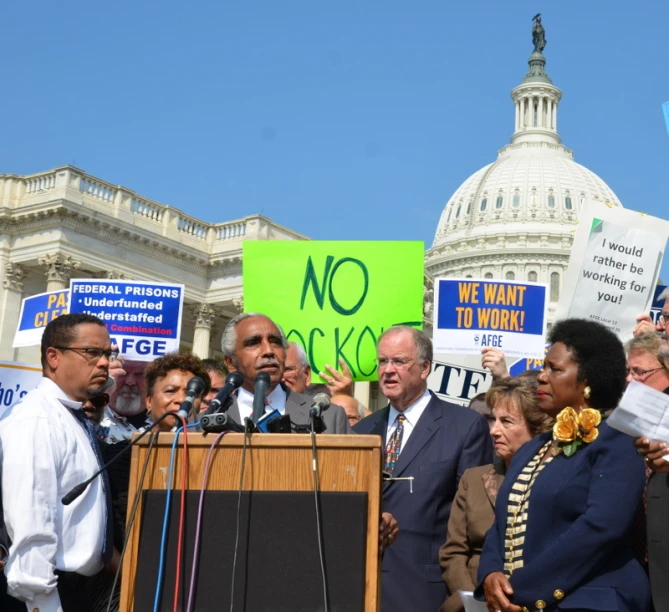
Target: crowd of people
526	498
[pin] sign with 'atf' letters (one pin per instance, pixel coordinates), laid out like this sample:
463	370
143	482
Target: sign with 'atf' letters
143	319
336	298
37	311
474	314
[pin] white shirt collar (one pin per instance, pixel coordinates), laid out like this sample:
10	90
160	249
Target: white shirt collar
276	399
413	412
53	389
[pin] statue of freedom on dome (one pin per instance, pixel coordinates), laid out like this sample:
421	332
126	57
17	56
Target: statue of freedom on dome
538	33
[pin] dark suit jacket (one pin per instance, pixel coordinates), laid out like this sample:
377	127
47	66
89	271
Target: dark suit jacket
297	407
577	543
446	441
472	514
657	528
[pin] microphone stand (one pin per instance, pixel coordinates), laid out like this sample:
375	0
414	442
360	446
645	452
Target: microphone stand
76	491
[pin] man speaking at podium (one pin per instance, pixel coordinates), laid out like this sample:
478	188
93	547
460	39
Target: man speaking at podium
253	343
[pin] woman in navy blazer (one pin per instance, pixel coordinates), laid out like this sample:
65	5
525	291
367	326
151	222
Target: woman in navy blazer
561	537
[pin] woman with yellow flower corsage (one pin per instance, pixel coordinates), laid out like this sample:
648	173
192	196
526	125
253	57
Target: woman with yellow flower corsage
560	540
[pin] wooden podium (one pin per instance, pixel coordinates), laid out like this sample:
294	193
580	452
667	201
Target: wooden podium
278	516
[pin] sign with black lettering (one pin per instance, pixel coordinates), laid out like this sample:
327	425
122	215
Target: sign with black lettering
336	298
613	267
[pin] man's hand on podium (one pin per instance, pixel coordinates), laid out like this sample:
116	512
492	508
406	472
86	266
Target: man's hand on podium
388	531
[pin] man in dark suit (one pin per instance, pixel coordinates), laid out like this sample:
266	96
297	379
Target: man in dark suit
253	343
429	444
648	363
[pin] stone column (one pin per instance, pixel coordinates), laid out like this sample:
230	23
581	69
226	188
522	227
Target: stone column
361	392
58	268
205	314
10	307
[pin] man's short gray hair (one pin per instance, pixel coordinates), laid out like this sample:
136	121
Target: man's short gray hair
229	339
301	353
651	343
421	340
664	295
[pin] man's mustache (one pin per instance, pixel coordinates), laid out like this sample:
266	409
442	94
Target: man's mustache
268	361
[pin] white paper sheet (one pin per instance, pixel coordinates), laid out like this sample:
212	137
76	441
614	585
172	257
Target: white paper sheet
643	412
471	604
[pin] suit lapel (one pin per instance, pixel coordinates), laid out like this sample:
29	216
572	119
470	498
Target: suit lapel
380	427
297	407
233	411
426	427
492	480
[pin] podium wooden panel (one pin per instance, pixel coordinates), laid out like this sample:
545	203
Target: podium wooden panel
274	462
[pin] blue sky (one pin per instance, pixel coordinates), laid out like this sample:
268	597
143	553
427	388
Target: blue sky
341	120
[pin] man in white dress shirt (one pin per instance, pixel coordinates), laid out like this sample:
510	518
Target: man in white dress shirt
429	444
46	448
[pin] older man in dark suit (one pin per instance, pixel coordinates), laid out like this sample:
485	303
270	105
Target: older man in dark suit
253	343
429	444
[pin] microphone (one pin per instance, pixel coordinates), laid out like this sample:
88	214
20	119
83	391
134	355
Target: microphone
194	389
233	381
321	402
218	422
260	386
77	490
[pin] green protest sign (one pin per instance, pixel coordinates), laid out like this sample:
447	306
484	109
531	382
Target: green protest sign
335	298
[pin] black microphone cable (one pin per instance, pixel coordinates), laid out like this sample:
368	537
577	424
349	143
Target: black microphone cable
247	432
317	503
133	513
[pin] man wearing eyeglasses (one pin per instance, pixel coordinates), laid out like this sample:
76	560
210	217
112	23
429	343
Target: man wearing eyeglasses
429	444
648	363
47	446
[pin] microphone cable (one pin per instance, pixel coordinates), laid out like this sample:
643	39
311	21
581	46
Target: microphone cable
133	513
247	432
319	521
182	514
166	519
200	508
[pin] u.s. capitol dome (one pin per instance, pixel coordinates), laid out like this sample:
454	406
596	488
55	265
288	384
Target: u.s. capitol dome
515	218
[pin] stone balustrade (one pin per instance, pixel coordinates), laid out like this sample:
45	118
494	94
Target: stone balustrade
69	184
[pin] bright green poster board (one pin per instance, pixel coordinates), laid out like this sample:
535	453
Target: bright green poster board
335	298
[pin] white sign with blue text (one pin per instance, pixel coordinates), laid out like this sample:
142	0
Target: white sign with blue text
143	318
16	379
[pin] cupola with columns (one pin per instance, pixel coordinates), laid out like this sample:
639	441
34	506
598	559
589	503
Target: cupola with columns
515	218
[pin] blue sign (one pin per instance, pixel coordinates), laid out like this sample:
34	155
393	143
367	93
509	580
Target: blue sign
523	365
143	318
657	304
36	312
474	314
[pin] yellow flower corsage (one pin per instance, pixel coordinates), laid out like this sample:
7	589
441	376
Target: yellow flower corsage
572	429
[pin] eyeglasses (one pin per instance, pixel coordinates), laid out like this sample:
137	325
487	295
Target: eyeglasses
638	374
663	320
88	352
399	364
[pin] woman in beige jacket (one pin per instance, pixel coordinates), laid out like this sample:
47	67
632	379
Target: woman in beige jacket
516	420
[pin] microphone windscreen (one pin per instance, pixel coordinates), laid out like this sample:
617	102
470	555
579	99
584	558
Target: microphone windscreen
322	400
